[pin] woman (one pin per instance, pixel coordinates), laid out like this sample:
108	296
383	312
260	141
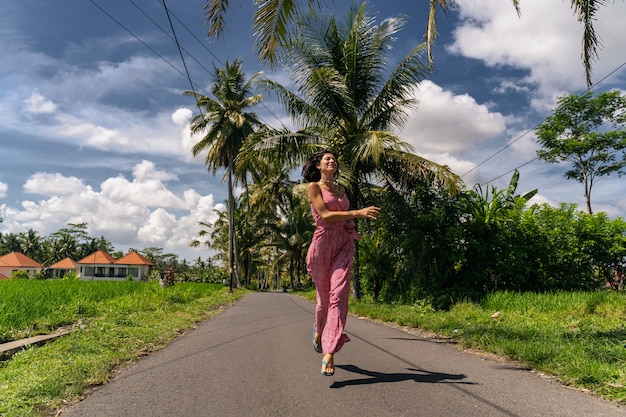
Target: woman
329	258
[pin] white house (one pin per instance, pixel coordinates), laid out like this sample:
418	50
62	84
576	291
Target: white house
102	266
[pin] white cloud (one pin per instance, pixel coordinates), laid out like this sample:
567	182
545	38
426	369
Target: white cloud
445	122
546	40
182	117
146	189
146	170
89	134
37	103
54	184
3	189
158	227
453	130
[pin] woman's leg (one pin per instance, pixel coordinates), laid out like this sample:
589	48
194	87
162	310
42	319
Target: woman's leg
318	267
333	337
321	307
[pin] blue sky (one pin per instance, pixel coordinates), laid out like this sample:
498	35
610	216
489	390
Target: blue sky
94	126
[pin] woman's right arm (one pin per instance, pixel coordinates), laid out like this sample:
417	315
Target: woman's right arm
316	199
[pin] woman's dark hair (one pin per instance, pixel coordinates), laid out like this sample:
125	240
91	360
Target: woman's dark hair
310	172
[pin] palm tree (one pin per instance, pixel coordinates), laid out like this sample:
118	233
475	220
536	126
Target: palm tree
349	101
225	125
248	233
31	244
293	236
284	212
273	18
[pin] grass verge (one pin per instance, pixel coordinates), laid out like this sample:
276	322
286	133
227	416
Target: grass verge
116	324
577	337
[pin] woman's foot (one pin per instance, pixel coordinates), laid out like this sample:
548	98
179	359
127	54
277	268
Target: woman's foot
317	342
328	365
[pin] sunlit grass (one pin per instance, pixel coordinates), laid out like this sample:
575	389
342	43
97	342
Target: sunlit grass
115	323
578	337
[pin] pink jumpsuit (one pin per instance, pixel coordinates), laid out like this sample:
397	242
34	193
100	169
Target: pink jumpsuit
329	261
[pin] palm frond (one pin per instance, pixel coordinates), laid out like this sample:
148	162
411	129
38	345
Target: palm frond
586	11
405	170
214	11
271	23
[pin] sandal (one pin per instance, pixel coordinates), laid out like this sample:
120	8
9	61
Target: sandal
326	372
316	345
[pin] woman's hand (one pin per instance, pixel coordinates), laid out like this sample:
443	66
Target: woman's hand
371	212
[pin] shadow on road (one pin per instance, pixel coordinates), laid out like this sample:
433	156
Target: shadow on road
379	377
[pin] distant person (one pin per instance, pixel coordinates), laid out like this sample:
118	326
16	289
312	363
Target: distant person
329	259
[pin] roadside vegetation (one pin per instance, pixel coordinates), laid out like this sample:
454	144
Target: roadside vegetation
115	323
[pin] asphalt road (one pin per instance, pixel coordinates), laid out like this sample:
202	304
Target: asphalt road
255	359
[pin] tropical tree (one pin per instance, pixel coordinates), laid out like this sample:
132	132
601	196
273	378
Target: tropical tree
588	132
248	231
348	99
9	242
292	234
203	233
225	124
273	24
72	242
59	247
31	244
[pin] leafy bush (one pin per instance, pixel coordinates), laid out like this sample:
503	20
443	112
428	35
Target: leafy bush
20	275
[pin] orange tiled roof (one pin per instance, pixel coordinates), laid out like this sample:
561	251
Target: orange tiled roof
66	263
17	259
133	258
98	257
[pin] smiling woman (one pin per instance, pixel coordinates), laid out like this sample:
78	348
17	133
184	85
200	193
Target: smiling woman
329	258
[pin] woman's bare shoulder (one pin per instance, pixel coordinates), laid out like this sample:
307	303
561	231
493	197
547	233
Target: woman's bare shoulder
313	186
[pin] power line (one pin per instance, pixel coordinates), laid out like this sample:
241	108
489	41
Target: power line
180	52
509	171
138	38
168	12
202	44
186	73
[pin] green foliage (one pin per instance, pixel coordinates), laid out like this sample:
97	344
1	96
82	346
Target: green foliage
28	308
19	275
447	249
71	276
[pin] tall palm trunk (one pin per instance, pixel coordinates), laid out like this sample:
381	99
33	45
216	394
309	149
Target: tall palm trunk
356	276
232	245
